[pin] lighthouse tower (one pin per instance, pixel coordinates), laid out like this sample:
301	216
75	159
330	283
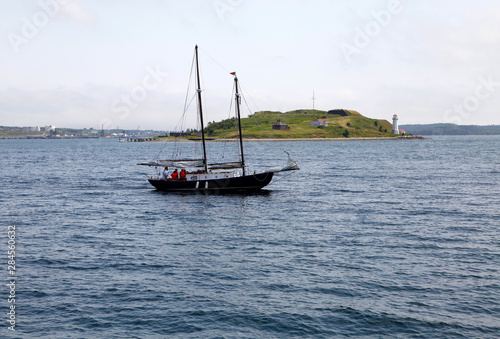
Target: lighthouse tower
395	128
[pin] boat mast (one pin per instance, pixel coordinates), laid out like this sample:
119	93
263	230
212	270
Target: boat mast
239	121
201	112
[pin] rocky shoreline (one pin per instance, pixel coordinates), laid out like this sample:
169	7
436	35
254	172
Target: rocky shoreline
403	137
410	137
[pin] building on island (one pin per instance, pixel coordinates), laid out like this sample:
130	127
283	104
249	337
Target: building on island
31	129
319	122
339	112
280	125
395	129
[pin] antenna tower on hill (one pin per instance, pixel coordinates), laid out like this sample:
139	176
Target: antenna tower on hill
313	99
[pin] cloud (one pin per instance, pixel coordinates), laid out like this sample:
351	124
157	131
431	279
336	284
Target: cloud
424	62
89	107
74	10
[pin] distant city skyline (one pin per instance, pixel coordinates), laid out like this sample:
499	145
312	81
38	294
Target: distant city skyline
82	64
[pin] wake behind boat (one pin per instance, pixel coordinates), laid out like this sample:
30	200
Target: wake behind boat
198	174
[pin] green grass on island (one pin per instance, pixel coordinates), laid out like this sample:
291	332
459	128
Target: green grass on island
341	124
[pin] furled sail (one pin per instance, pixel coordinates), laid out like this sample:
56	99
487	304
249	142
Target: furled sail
175	163
192	163
225	165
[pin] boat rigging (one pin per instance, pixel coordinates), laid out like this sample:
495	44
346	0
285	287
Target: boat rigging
202	175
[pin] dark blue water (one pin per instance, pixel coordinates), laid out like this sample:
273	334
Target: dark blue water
377	239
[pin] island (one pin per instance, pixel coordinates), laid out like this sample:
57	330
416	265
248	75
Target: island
300	124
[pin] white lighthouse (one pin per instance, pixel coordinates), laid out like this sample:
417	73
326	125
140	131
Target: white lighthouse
395	128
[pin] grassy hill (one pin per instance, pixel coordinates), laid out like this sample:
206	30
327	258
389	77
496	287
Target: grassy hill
341	124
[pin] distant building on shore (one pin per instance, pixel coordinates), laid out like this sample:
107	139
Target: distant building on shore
50	128
319	122
31	129
280	125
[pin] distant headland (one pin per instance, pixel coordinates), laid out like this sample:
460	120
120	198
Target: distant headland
452	129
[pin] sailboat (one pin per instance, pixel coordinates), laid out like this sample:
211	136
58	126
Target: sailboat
200	175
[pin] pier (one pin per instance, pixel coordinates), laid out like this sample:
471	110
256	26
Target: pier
136	139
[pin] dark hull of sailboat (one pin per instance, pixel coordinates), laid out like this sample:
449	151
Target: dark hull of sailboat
251	182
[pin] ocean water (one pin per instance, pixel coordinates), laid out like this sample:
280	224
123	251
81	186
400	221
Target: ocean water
382	239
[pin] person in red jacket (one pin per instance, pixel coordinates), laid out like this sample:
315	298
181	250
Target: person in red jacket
182	175
175	175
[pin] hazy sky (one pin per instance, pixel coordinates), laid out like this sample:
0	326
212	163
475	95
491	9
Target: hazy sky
77	63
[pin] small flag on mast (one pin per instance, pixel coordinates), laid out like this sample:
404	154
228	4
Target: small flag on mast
233	73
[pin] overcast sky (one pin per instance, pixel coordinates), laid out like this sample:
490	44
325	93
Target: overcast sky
76	63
